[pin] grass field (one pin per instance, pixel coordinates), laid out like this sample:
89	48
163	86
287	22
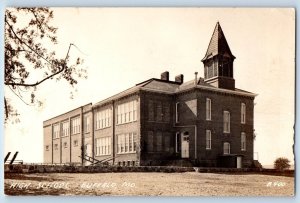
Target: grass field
148	184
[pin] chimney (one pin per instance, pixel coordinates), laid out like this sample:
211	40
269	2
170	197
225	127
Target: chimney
179	79
196	78
165	76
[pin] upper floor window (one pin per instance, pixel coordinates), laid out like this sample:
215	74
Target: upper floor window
226	122
127	112
243	141
103	146
177	112
126	143
86	123
243	113
208	109
103	119
208	139
75	125
56	131
226	148
65	129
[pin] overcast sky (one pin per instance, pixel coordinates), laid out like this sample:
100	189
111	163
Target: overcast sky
122	47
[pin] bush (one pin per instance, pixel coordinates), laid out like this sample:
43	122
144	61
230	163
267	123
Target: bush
282	164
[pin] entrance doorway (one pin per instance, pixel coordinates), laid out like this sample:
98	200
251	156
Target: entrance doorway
185	137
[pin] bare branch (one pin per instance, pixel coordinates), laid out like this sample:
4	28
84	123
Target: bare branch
19	96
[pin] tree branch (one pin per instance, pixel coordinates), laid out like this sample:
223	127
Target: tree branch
11	28
19	96
6	108
46	78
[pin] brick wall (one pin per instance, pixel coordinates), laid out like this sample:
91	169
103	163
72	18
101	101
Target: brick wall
47	142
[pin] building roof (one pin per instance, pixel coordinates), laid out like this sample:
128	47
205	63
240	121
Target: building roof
171	87
218	44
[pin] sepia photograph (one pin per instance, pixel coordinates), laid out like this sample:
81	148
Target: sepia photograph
114	101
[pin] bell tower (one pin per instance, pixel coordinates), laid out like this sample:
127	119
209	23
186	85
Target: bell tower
218	61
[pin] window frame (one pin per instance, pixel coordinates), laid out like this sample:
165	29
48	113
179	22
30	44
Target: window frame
208	138
243	113
65	129
243	141
124	141
103	146
76	125
208	109
103	118
226	128
177	112
228	148
127	112
56	131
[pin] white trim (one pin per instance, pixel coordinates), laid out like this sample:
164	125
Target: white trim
243	113
243	141
228	145
208	109
208	138
225	130
176	112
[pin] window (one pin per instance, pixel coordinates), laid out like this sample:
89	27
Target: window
159	113
150	110
226	148
226	122
208	109
65	144
56	146
208	139
177	112
47	148
75	125
103	119
167	141
166	111
65	129
126	143
86	123
243	113
55	131
158	141
75	143
243	141
127	112
103	146
150	141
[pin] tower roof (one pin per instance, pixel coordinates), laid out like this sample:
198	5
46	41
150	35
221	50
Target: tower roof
218	44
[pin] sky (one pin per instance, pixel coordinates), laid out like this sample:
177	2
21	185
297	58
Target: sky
122	47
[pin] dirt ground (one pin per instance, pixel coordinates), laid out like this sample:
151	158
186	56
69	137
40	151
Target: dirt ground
149	184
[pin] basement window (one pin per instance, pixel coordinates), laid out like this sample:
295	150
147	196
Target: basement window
75	143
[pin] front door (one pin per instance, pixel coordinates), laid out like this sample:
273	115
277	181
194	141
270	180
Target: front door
238	162
185	145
